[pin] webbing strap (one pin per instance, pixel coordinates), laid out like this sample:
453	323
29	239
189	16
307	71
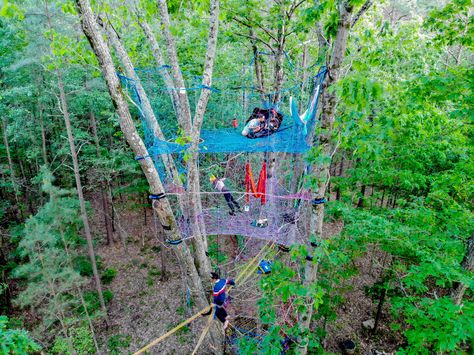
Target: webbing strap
318	201
157	196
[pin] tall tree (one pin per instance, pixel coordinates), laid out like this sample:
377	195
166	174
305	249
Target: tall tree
326	143
77	177
162	205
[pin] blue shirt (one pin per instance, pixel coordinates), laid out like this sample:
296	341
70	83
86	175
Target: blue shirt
219	290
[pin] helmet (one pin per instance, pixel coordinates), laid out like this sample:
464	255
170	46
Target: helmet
212	178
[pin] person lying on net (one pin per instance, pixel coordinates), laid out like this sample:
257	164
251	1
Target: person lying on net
218	184
219	297
254	126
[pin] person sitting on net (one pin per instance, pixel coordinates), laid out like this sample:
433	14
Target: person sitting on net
218	184
254	125
219	297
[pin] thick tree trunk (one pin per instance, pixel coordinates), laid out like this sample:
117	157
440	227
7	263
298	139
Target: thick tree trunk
192	166
161	206
82	203
179	83
158	55
328	104
146	108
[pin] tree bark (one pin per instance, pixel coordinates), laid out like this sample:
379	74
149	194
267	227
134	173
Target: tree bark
103	185
258	66
43	136
161	206
145	107
11	169
80	195
158	56
179	83
328	104
192	164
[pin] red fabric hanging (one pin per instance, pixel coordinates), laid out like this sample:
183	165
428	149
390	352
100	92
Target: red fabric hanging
259	190
262	183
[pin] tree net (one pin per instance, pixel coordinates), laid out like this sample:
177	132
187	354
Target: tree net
232	101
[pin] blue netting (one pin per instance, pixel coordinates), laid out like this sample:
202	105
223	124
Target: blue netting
224	105
233	98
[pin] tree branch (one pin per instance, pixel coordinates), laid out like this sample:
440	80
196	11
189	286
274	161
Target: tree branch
255	38
246	24
361	12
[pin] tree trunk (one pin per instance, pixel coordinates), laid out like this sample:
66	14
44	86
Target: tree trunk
43	136
360	203
468	265
82	203
158	55
192	166
328	103
103	185
179	83
379	309
81	296
11	169
260	81
161	206
145	107
59	310
77	177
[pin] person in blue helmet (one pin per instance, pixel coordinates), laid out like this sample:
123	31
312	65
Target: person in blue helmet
219	297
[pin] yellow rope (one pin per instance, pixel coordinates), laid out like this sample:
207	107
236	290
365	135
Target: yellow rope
204	332
175	329
242	274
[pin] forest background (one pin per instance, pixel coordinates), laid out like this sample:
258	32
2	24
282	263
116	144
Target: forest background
82	247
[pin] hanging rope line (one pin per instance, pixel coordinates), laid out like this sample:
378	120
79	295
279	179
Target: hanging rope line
205	309
204	332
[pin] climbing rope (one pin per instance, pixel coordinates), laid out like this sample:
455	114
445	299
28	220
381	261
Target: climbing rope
204	332
205	309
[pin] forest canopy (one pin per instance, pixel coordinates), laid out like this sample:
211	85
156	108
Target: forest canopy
318	154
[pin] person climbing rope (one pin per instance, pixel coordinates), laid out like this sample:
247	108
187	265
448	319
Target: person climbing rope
218	184
253	126
220	297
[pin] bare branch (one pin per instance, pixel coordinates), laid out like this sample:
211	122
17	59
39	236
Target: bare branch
361	12
293	8
250	25
255	38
